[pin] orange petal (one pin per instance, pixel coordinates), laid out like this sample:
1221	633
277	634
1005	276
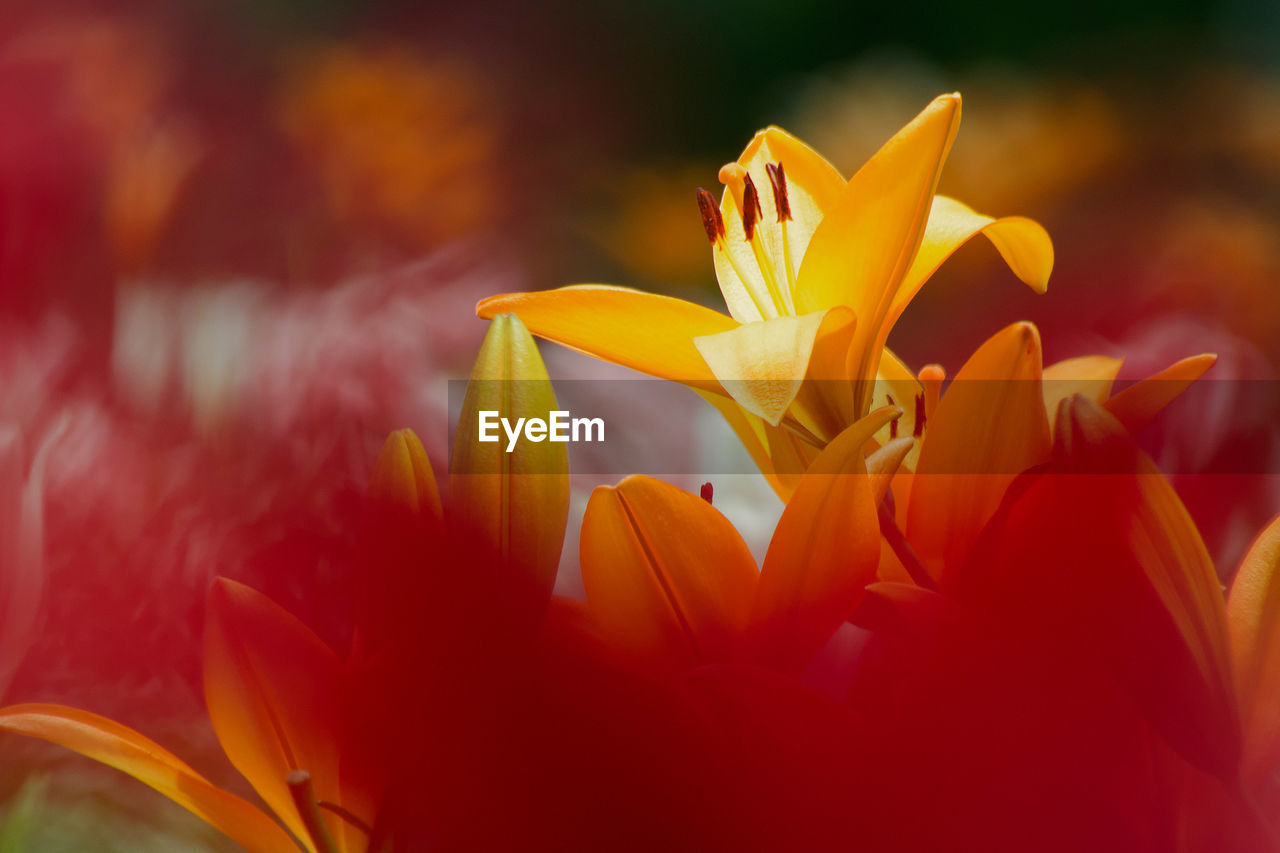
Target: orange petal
1023	243
824	551
666	574
1253	613
864	247
885	462
512	501
990	425
1138	404
649	333
1090	375
273	690
124	749
1099	558
812	186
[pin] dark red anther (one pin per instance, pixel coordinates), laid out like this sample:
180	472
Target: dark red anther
893	429
752	212
711	219
707	491
918	429
778	180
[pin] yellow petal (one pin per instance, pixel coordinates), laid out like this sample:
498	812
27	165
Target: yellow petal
1137	405
823	553
646	332
1253	613
124	749
402	477
512	505
1023	243
812	185
1090	375
990	425
666	574
273	690
864	247
761	365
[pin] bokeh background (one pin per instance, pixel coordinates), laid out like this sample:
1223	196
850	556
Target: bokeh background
241	241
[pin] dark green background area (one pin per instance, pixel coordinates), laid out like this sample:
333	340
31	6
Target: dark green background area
693	77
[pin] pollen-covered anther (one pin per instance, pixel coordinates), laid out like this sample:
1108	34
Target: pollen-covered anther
712	221
778	180
751	210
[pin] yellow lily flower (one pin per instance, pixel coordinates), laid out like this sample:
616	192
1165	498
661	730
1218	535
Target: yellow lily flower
814	270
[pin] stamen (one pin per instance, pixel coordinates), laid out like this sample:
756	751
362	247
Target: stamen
893	424
742	190
304	798
707	491
752	212
918	429
778	180
712	221
931	377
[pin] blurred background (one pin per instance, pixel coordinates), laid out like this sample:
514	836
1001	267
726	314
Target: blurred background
241	241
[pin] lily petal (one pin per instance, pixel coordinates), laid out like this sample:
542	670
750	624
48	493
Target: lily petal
514	504
1023	243
824	551
124	749
646	332
865	245
1253	613
1090	375
1137	405
812	186
1097	556
665	573
761	365
273	689
990	426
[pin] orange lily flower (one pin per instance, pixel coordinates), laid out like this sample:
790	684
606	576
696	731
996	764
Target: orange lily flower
299	724
272	688
668	579
815	271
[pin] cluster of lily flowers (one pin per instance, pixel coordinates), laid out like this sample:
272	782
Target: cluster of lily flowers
984	620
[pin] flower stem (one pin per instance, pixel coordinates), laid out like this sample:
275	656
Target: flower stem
304	797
